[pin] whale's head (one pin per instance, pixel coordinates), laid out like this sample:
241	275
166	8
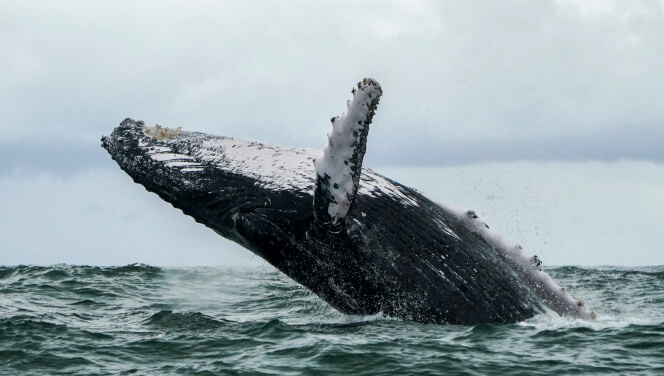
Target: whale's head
266	198
255	194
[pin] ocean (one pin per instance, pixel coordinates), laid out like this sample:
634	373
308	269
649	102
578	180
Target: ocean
146	320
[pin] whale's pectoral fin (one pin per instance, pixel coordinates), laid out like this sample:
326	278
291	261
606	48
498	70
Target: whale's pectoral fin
338	170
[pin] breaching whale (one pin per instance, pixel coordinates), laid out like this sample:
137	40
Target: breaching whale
362	242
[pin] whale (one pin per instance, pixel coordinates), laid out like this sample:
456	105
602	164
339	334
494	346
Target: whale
362	242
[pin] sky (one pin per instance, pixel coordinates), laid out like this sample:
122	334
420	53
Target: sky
546	117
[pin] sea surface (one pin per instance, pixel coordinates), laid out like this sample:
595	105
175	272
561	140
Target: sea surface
146	320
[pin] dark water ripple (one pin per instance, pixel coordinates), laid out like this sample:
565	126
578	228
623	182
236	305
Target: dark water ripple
144	320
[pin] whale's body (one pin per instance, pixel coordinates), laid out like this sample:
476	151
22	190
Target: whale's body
397	252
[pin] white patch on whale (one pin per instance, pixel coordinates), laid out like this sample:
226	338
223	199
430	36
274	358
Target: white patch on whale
273	167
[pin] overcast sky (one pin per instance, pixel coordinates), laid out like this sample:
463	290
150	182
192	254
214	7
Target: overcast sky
566	95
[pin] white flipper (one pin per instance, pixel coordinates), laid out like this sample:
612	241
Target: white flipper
338	171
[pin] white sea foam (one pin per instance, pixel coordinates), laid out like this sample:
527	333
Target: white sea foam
552	321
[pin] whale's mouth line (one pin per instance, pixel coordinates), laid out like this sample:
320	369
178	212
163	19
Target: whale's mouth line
267	213
263	231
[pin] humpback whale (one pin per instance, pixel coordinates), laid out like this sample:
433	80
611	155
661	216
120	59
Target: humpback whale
362	242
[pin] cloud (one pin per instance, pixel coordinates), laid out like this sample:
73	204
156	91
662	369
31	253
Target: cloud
466	85
458	72
62	159
100	217
568	213
588	213
637	143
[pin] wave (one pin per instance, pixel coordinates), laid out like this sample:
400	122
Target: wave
167	319
63	271
157	320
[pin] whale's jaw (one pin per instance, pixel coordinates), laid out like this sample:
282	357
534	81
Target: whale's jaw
229	202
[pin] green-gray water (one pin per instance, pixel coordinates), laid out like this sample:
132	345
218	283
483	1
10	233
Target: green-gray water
144	320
